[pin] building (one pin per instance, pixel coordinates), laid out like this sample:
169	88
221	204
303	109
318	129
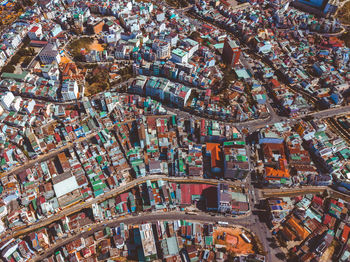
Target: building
231	52
35	33
224	199
213	150
179	56
16	105
148	242
191	46
6	100
278	174
70	90
97	28
236	164
49	54
66	189
162	49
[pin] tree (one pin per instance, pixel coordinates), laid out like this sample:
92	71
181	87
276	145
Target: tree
26	61
15	59
32	51
8	69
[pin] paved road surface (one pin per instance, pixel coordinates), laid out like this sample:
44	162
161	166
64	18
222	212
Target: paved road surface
121	189
274	118
154	217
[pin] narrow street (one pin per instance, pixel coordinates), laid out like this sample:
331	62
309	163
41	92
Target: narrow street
249	223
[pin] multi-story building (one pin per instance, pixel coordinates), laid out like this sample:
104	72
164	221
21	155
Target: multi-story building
6	100
70	90
162	49
224	199
179	56
148	243
231	52
35	33
49	54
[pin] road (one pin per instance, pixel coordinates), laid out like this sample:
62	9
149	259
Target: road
252	125
155	217
277	192
273	119
121	189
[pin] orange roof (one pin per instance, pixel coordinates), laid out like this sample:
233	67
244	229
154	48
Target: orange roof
214	150
301	231
272	173
283	172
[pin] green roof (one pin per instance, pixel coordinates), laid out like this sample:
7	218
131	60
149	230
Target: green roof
179	52
19	77
99	159
345	153
242	73
242	158
208	240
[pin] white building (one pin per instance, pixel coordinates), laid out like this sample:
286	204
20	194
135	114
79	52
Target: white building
12	40
70	90
3	58
179	56
162	49
160	17
6	100
191	46
51	72
172	38
147	239
56	30
29	106
16	105
36	32
111	38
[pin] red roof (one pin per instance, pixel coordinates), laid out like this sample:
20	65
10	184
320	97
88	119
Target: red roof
34	29
124	197
208	92
187	190
275	83
345	235
57	137
38	42
42	200
6	157
182	94
207	26
69	129
298	198
327	219
74	113
317	200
